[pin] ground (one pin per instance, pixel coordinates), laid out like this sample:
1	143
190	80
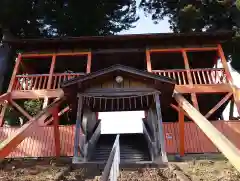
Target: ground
192	169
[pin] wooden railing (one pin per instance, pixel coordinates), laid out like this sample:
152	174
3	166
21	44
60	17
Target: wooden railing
40	81
198	76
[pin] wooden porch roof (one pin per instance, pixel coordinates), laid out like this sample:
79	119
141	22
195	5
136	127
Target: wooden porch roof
154	83
121	41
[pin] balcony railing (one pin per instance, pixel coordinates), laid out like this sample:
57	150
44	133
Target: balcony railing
198	76
40	81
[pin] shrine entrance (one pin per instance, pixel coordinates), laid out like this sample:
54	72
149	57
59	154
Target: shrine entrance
119	88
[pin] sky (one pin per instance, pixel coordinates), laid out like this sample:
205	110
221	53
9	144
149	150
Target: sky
119	122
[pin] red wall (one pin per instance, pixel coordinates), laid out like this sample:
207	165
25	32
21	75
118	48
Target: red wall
41	143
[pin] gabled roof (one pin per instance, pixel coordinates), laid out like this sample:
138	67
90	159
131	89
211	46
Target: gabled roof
117	68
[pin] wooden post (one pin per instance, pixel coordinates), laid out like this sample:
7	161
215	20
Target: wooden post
56	131
89	62
181	131
190	81
225	65
78	126
50	77
231	109
148	60
231	152
160	128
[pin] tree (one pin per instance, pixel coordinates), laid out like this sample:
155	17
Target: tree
32	18
198	16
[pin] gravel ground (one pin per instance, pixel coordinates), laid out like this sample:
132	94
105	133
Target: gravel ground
195	170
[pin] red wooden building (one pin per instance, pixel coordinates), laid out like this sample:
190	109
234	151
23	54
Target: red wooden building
187	60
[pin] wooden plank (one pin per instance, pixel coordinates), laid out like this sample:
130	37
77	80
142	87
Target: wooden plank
181	131
35	94
187	67
203	88
148	61
56	131
231	152
18	136
218	105
21	110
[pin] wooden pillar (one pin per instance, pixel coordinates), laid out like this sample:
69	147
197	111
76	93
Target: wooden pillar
10	87
160	128
50	77
181	131
78	126
56	131
225	65
190	81
148	61
89	62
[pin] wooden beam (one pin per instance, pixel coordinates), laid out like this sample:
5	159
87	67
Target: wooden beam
51	72
66	109
190	81
15	71
231	109
218	105
4	98
231	152
56	132
21	110
168	50
181	131
148	61
36	94
89	63
203	89
224	62
34	55
20	134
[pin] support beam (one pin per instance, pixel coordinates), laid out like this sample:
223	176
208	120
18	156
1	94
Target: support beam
34	55
8	145
231	109
21	110
66	109
37	94
181	131
218	105
187	67
224	62
148	61
4	98
231	152
56	131
193	49
217	88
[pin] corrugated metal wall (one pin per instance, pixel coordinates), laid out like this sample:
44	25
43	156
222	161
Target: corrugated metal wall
41	143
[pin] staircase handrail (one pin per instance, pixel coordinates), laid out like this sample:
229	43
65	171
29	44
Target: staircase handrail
111	169
149	140
93	140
